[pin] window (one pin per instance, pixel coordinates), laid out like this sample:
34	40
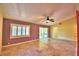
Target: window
23	30
20	30
14	30
27	30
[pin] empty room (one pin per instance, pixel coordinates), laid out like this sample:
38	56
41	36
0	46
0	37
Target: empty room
38	29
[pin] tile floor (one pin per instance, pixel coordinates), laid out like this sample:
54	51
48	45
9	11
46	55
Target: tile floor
53	48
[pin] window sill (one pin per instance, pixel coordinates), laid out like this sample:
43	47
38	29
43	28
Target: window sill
19	36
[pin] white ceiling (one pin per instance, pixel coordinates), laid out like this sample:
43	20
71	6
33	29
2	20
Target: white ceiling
34	12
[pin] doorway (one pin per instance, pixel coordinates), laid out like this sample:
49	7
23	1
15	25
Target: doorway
43	34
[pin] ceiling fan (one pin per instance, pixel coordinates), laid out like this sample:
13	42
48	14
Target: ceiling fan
48	19
45	19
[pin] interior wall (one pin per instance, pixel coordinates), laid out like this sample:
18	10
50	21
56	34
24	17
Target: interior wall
1	27
34	31
77	14
66	30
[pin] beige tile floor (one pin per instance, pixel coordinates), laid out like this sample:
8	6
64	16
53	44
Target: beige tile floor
53	48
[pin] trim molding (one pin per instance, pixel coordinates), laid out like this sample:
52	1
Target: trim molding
19	43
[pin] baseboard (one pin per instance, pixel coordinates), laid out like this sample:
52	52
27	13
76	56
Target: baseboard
63	39
19	43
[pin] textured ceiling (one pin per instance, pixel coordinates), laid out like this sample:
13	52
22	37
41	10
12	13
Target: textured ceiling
35	12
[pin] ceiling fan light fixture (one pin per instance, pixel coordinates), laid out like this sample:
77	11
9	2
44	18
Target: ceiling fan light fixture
47	21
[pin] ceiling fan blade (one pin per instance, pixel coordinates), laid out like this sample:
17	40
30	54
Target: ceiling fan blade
52	20
42	17
47	18
43	20
39	19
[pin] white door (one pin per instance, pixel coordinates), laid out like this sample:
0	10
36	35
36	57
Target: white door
43	34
